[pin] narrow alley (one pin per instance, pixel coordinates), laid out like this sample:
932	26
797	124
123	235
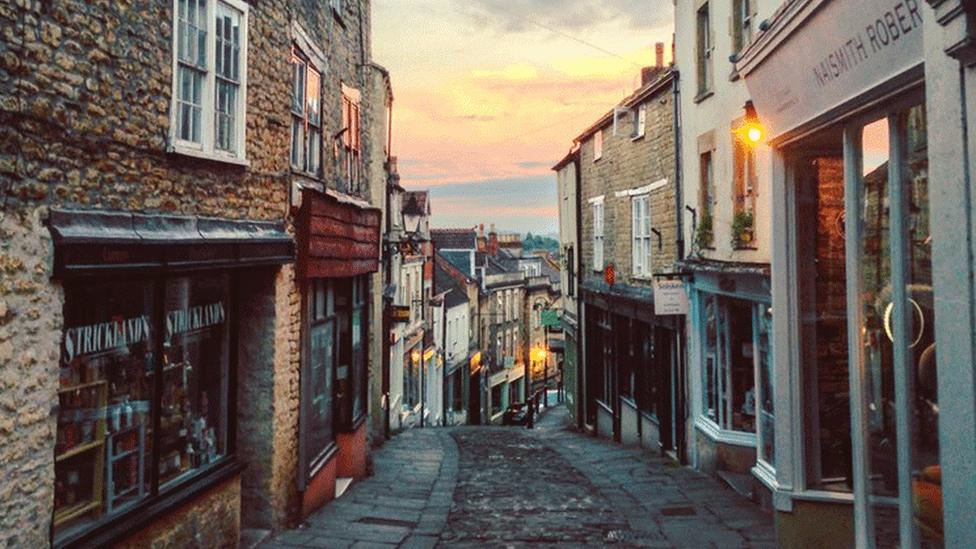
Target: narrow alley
506	487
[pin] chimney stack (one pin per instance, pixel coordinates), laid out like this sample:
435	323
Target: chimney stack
493	242
647	74
659	55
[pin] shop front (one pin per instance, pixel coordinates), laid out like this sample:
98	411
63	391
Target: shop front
731	321
338	250
840	89
152	357
634	362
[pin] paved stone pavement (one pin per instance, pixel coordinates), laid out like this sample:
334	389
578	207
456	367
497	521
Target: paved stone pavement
546	487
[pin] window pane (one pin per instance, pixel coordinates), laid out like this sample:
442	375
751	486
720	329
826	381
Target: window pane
298	85
926	469
225	116
877	367
313	97
297	142
193	413
710	354
227	46
764	322
189	87
318	391
104	433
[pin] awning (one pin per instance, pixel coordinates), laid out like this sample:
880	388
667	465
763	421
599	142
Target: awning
337	238
88	242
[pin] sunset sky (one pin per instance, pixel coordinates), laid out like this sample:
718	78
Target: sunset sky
488	94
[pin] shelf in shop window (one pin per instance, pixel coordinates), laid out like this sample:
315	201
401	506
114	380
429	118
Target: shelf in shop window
125	454
79	449
75	511
80	386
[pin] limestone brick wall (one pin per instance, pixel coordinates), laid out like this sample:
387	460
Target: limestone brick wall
211	520
30	336
85	90
627	164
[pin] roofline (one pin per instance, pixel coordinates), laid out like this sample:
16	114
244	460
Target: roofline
638	96
571	156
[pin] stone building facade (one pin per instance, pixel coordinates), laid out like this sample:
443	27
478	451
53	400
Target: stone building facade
628	237
104	153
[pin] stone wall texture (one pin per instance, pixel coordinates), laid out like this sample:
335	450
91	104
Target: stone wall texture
85	90
626	164
211	520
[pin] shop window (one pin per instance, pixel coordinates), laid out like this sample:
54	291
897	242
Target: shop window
350	393
318	389
729	369
208	45
641	235
111	364
306	115
822	289
411	378
497	406
704	50
351	142
765	395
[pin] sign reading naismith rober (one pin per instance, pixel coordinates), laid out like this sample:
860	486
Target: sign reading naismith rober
829	53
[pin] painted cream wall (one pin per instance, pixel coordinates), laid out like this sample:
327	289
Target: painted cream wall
716	114
568	218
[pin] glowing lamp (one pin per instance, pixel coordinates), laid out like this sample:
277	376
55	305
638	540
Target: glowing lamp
754	133
751	132
538	355
415	356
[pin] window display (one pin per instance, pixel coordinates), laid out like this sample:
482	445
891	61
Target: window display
195	353
318	390
728	387
107	398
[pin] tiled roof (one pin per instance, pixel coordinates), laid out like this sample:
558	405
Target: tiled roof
415	202
454	239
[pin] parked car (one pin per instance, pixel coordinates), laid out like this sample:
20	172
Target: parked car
516	414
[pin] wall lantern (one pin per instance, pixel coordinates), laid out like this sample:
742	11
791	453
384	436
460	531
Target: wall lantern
751	131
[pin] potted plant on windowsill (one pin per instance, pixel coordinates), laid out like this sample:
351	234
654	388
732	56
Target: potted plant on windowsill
703	234
742	229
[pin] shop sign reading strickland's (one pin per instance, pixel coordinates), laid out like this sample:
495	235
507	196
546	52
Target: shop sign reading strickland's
844	49
113	335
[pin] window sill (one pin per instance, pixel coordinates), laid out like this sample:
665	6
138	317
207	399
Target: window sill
745	248
597	159
153	509
215	157
703	96
637	137
307	175
736	438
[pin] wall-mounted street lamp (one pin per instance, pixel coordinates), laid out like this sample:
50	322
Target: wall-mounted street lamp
751	132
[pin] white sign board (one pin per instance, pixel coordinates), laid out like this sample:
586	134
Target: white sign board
670	297
846	48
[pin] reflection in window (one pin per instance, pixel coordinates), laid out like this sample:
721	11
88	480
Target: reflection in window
926	470
728	387
877	357
195	353
104	436
318	391
764	360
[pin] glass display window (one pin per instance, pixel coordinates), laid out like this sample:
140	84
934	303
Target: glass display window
318	387
193	407
119	337
730	362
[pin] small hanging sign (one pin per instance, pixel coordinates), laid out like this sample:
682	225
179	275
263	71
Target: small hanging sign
670	297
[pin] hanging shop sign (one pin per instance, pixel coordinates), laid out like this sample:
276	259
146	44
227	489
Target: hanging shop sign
830	55
550	318
400	313
670	297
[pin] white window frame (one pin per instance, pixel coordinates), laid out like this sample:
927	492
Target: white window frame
598	214
641	235
640	121
206	148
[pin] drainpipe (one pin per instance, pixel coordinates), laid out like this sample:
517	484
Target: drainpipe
581	397
678	195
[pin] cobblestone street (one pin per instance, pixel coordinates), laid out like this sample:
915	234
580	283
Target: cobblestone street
506	487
